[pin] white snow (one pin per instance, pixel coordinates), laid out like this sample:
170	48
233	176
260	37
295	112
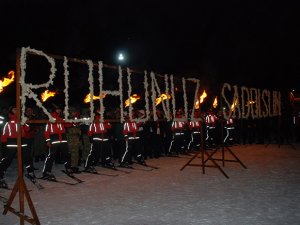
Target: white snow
267	192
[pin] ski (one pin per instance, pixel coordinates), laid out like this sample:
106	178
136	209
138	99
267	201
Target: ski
58	181
137	168
72	176
150	166
97	173
35	182
117	169
144	168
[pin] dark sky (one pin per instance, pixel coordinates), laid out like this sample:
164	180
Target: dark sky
251	43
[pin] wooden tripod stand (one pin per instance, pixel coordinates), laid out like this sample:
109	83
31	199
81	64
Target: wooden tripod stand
205	157
20	185
224	147
209	156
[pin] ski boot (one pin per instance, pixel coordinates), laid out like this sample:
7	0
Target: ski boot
3	184
90	169
124	165
48	176
31	176
109	165
74	169
68	169
140	160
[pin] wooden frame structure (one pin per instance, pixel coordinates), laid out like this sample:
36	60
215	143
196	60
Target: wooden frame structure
20	187
205	158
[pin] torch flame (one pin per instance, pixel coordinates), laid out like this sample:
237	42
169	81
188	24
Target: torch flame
201	100
87	98
7	80
161	98
132	100
47	94
234	104
215	104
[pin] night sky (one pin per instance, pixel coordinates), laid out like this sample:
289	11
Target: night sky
240	42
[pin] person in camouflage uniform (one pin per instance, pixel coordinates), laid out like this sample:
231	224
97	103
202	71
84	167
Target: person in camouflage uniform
85	140
73	133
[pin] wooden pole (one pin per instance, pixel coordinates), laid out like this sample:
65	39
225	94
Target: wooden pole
20	183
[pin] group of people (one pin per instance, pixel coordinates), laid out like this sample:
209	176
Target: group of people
108	144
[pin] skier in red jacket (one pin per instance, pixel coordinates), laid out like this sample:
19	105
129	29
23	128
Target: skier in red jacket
55	135
101	146
9	139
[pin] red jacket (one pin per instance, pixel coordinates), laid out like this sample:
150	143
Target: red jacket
98	129
229	122
10	129
194	125
211	119
131	128
178	126
55	131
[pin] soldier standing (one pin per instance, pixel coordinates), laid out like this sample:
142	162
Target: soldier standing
85	146
73	133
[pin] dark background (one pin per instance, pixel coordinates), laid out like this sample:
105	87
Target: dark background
251	43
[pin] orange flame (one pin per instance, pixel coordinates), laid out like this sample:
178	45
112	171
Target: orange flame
234	104
201	100
47	94
161	98
87	98
7	80
215	104
132	99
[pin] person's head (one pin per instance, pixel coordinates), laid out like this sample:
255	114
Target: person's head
13	110
197	113
74	112
12	113
179	112
126	115
58	110
29	111
159	113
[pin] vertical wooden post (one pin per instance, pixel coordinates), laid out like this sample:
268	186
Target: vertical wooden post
20	183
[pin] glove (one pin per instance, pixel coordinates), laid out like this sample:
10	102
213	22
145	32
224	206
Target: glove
49	144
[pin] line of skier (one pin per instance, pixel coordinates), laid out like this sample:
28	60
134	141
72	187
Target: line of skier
107	144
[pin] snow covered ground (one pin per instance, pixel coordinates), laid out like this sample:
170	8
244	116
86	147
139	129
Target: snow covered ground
267	192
